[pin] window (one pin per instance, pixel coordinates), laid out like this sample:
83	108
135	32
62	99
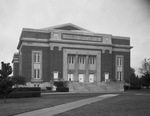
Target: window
119	67
36	85
36	57
36	73
119	61
91	59
71	59
36	64
81	59
119	76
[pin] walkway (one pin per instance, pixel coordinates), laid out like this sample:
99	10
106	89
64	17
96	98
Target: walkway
65	107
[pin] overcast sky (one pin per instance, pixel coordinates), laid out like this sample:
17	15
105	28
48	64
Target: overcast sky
129	18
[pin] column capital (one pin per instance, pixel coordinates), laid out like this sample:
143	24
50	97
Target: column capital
103	50
51	47
60	48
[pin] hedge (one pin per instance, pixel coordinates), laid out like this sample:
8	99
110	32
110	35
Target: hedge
62	89
26	89
134	87
60	83
24	92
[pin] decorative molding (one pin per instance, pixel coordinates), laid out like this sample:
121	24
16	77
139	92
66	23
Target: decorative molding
120	50
103	48
51	47
82	37
35	39
55	36
15	61
59	48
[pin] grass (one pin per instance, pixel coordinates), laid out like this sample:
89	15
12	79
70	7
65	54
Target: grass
131	103
16	106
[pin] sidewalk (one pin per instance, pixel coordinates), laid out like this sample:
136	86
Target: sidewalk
65	107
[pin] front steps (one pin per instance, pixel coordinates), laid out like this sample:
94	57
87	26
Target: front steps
95	87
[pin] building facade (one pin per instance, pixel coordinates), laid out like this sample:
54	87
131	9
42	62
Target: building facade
71	53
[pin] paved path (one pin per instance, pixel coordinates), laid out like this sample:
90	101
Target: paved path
65	107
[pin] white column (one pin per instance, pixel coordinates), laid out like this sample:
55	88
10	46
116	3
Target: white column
86	69
76	68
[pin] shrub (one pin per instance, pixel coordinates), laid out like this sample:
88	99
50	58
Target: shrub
62	89
134	87
23	92
27	89
60	83
49	88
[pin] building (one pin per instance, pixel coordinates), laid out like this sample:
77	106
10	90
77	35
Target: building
71	53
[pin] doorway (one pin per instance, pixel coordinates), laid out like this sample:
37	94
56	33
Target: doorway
81	78
91	78
70	77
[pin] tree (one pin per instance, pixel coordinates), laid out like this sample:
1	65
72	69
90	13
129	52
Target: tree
145	71
145	80
18	80
6	82
145	66
134	80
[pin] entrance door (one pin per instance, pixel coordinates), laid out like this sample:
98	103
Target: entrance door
106	76
70	77
91	78
55	74
81	78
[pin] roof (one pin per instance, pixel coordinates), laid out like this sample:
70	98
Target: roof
68	27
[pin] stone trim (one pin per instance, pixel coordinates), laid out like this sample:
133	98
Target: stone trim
32	68
51	45
34	39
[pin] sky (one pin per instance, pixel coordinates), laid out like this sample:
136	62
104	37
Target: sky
129	18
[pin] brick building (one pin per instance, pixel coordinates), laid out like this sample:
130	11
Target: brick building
71	53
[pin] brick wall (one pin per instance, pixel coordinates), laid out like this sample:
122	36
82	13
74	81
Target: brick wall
37	35
16	69
27	62
56	57
106	64
126	56
120	41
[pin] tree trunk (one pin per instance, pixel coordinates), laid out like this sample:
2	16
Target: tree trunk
4	99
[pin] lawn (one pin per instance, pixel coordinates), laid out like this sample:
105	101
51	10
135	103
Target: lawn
130	103
16	106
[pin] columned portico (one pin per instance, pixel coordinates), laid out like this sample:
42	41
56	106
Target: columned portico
83	65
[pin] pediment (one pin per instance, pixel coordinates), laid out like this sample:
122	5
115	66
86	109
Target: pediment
68	27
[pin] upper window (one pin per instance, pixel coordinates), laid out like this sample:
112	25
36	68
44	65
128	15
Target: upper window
119	61
81	59
36	64
37	57
71	59
119	67
91	59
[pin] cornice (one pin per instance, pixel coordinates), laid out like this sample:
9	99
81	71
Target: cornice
121	37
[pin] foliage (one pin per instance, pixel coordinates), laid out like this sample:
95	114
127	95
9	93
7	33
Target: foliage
18	80
60	83
145	66
134	80
62	89
6	82
145	71
145	80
